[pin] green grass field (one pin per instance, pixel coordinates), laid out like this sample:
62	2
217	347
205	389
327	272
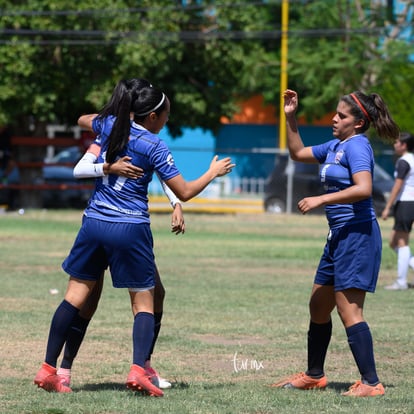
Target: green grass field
235	321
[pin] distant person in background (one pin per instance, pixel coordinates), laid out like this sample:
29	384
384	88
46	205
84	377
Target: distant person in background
402	199
351	259
9	173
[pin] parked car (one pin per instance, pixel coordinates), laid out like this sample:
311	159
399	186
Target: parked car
71	192
306	182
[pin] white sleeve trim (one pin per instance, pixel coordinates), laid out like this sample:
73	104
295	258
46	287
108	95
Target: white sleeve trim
169	193
86	167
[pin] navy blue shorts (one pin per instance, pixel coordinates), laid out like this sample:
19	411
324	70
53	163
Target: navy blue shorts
127	248
351	257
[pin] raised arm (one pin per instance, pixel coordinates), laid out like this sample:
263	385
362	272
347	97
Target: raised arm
297	150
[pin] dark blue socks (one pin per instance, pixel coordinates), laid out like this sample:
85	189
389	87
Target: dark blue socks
360	342
157	327
319	336
74	339
59	327
142	337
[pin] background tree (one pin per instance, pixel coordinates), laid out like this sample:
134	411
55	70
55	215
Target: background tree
58	62
201	56
340	46
396	66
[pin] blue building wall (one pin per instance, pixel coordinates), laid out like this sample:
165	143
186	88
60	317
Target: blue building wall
252	147
192	152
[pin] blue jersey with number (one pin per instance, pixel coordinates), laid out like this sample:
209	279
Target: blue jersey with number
124	199
340	160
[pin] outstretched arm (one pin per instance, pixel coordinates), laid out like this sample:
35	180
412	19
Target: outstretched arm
185	190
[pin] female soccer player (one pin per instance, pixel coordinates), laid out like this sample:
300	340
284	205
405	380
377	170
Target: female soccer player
116	229
351	258
87	168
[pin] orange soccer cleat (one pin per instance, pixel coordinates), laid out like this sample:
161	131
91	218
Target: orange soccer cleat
360	389
139	380
155	377
48	379
302	381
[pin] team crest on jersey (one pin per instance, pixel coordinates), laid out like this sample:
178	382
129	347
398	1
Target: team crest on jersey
170	159
338	156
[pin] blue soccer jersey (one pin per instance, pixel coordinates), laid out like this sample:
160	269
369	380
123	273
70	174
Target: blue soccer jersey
123	199
340	160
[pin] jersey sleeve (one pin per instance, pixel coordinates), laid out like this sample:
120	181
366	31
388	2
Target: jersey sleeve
97	125
102	128
163	162
402	168
320	152
359	155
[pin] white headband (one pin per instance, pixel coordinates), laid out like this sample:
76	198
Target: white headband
153	109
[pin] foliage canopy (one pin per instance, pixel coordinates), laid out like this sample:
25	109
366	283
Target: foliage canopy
58	62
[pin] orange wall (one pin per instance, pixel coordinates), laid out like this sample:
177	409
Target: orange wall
254	111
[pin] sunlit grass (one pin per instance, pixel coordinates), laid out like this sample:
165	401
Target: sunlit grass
235	320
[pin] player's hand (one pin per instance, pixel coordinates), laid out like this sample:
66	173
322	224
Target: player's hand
385	213
124	168
309	203
291	102
221	167
177	220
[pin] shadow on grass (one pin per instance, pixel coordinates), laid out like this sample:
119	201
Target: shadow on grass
102	386
339	386
117	386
